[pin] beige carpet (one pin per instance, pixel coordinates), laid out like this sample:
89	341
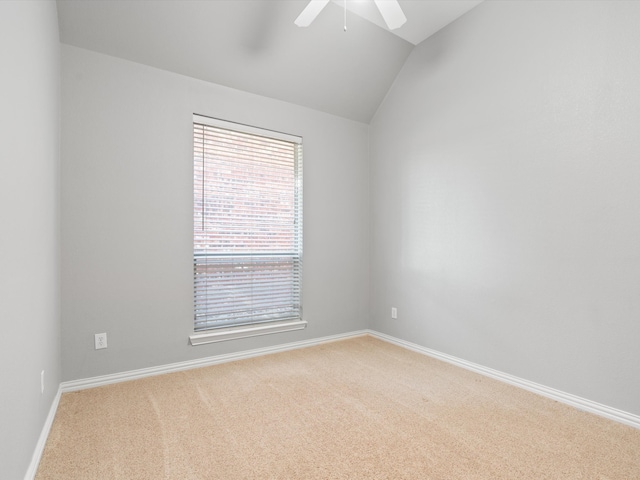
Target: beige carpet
353	409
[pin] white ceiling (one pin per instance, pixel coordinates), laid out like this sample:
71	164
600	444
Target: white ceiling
424	17
253	45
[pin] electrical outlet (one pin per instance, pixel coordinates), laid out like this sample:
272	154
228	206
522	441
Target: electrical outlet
101	340
42	381
394	313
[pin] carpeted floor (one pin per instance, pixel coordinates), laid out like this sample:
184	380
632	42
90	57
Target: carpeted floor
354	409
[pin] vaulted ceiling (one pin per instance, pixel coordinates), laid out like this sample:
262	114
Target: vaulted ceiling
253	45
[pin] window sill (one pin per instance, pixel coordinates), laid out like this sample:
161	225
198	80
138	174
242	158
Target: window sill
233	333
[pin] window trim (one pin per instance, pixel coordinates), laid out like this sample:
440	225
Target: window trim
244	331
256	329
241	127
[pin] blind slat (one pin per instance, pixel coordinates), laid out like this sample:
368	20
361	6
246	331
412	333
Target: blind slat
247	228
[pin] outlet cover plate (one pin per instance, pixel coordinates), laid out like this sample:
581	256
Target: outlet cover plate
101	340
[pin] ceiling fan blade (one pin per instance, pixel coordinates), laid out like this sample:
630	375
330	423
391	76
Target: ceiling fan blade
310	12
391	12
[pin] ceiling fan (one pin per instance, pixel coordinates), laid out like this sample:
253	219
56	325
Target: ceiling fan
389	9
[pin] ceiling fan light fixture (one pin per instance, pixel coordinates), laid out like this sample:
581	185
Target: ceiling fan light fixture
389	9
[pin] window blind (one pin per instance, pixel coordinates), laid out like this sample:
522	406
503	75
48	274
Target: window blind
247	216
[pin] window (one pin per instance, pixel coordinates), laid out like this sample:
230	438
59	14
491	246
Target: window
247	231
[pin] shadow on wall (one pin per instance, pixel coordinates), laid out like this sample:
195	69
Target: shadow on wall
262	27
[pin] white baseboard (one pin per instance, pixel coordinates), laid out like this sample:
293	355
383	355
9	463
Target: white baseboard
200	362
42	440
566	398
560	396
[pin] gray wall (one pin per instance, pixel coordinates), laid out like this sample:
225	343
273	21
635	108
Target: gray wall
127	213
29	247
505	180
